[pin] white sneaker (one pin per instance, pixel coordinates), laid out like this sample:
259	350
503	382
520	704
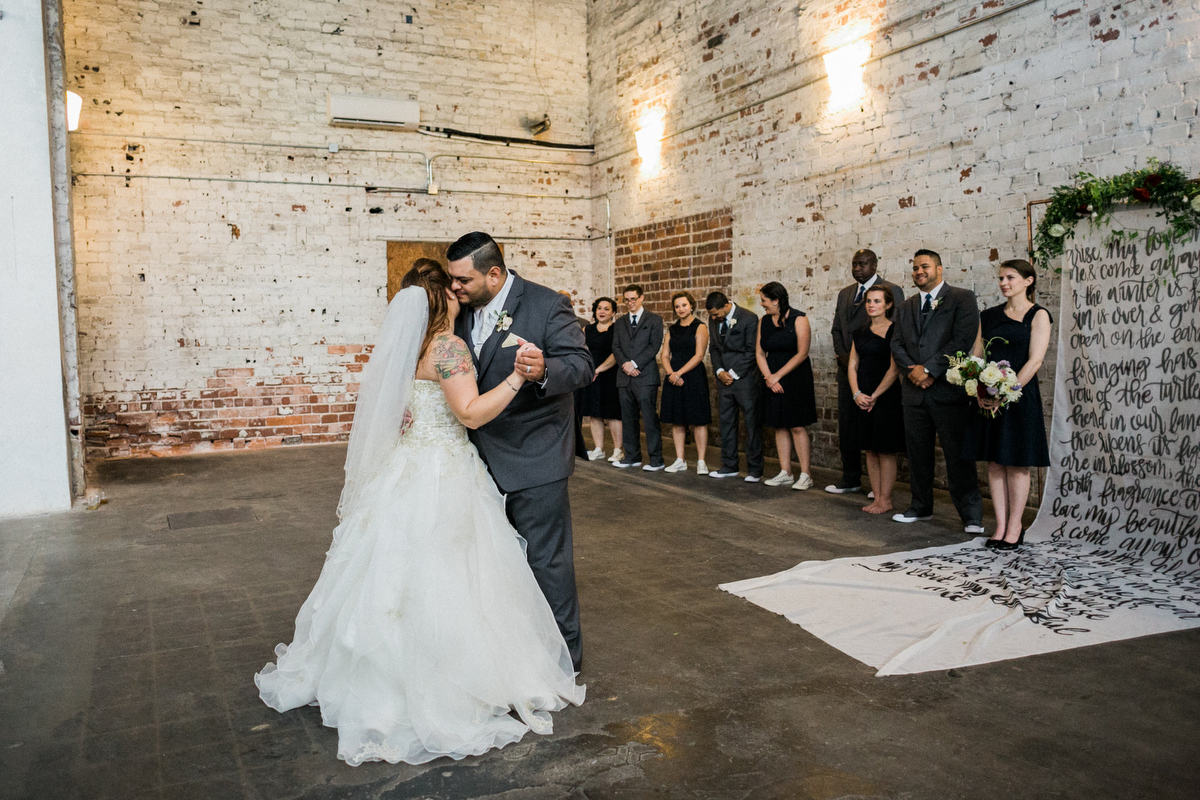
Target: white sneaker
626	464
653	468
803	482
617	455
753	479
782	479
679	466
701	468
596	455
723	474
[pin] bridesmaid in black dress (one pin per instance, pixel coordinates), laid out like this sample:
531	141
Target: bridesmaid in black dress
685	391
790	402
1015	440
873	379
598	401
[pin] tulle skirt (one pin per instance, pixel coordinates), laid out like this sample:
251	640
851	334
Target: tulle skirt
426	627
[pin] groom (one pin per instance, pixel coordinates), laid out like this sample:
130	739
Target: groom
530	447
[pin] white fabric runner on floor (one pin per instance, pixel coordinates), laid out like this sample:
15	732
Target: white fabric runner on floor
1115	550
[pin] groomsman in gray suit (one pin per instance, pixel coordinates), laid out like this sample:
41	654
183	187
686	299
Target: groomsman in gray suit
938	321
732	336
530	448
850	315
636	342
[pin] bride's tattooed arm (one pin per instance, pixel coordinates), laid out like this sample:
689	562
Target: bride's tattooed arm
450	357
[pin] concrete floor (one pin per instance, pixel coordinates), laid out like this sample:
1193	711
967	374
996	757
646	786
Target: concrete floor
129	647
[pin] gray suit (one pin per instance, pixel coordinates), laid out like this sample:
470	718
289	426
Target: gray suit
734	351
530	447
848	317
942	409
639	395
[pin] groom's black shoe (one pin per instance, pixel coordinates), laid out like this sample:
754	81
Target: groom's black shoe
577	665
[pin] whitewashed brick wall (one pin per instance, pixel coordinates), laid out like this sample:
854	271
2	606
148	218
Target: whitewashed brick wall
237	244
952	139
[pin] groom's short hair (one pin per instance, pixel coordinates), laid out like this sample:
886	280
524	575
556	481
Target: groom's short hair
482	249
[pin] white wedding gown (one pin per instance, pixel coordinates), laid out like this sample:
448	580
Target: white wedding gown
425	627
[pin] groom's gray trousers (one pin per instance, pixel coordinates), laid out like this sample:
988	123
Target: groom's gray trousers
542	515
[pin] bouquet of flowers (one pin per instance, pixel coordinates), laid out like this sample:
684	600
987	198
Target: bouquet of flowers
995	380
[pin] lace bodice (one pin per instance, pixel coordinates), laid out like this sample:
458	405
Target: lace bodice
433	423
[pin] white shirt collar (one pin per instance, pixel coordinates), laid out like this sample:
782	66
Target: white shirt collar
870	282
496	304
636	316
932	293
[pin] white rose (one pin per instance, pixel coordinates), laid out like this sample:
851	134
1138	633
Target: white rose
1057	230
954	377
1196	204
991	375
978	361
972	387
1010	394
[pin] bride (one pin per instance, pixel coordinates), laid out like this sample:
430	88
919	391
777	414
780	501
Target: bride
426	634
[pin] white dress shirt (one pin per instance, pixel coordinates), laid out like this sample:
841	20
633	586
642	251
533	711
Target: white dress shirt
486	317
932	294
862	287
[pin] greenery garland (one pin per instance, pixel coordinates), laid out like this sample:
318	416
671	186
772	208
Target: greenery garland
1095	199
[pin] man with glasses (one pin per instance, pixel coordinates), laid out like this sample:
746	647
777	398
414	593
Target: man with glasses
636	342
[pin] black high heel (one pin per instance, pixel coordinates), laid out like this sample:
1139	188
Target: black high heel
1003	545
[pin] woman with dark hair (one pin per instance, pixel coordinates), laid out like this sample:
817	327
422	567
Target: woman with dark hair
790	402
598	401
873	379
685	391
1016	331
426	634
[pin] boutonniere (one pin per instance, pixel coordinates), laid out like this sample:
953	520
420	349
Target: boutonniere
504	321
933	304
732	320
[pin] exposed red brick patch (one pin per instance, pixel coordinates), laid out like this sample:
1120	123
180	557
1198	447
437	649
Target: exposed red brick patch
994	255
867	209
692	253
236	411
988	40
817	216
964	174
1109	35
1066	14
299	207
908	202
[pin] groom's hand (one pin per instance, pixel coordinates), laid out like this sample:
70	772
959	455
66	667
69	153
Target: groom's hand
531	363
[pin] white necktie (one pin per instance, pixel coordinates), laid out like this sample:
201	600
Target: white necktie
484	330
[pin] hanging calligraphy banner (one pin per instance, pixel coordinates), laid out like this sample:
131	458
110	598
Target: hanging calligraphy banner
1115	550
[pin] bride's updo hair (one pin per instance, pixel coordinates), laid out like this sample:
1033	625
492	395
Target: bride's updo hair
433	278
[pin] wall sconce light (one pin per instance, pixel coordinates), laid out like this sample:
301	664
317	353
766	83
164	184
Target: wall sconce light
844	67
74	106
649	140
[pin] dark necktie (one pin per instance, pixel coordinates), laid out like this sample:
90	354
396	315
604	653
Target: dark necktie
723	328
633	320
858	297
926	310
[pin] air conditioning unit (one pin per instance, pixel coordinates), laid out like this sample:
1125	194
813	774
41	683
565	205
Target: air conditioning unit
361	111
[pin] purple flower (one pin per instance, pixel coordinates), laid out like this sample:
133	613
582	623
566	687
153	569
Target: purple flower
992	390
1003	364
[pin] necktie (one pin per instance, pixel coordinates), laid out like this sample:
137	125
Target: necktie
926	310
858	297
633	320
723	328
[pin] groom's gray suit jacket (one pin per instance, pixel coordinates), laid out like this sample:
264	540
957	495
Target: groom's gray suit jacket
532	442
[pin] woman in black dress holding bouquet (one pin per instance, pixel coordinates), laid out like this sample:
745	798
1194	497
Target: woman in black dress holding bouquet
598	401
685	391
873	379
790	401
1014	440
